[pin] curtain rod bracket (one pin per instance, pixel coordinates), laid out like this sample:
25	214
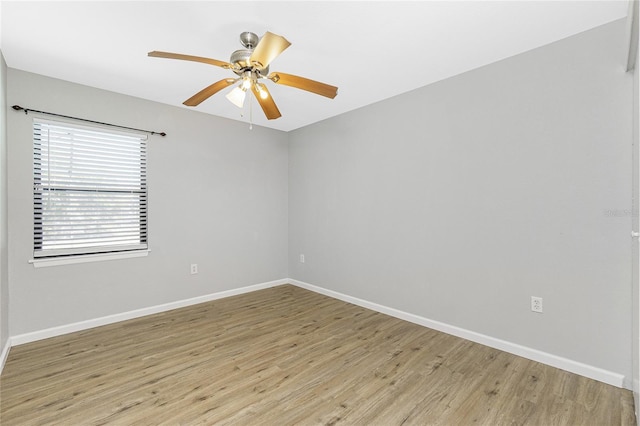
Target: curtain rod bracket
26	111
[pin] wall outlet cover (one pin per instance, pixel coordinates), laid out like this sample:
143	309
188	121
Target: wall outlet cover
536	304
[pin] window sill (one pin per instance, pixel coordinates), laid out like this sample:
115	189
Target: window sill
101	257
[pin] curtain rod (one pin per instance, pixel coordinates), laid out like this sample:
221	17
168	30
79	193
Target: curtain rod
26	110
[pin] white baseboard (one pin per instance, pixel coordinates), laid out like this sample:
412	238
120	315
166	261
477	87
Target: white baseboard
4	354
572	366
110	319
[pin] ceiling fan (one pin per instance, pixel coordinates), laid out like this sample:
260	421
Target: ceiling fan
250	65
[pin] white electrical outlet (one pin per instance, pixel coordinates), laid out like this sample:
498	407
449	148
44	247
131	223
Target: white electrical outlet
302	258
536	304
194	268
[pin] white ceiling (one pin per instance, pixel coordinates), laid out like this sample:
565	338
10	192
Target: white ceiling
370	50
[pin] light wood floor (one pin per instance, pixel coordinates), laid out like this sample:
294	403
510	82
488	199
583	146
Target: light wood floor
286	356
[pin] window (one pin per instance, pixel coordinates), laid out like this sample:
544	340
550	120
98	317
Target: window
89	190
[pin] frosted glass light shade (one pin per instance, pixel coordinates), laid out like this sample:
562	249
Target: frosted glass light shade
236	97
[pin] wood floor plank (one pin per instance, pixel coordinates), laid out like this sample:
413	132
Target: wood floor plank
285	356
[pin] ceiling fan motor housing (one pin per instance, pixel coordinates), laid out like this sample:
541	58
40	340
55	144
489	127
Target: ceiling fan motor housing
241	59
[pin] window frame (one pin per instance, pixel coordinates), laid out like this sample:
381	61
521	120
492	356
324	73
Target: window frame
97	248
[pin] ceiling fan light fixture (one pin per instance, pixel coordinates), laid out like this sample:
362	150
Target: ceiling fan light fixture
247	81
236	96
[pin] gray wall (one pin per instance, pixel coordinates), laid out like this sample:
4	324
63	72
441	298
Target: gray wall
217	197
4	281
459	201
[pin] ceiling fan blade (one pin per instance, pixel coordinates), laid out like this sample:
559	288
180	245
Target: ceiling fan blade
268	48
209	91
268	105
304	84
209	61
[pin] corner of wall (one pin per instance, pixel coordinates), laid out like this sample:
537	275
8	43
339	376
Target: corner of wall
635	285
4	280
635	252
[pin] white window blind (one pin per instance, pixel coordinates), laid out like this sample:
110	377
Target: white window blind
89	190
